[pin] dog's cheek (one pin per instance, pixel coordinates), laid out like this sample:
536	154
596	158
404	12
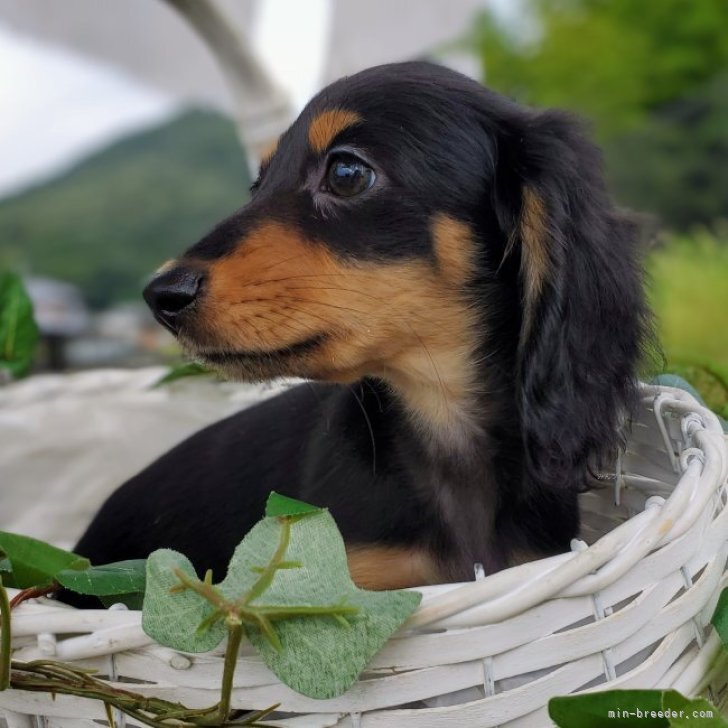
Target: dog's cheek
265	295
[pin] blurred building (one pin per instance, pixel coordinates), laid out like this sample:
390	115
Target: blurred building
61	315
74	338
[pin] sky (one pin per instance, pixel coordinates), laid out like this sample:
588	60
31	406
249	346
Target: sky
91	104
56	106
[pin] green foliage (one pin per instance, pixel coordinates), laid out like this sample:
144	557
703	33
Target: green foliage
608	59
183	371
109	580
689	294
288	587
719	620
544	72
281	505
653	79
35	563
633	709
18	330
29	563
675	165
110	221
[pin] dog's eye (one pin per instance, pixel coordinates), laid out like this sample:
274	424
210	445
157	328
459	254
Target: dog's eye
347	176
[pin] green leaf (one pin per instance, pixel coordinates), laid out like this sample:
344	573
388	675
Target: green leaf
638	708
609	708
282	505
35	563
171	618
121	577
692	711
320	656
18	330
5	565
720	617
182	371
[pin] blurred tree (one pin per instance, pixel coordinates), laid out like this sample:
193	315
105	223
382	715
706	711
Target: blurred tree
676	164
652	77
106	224
613	60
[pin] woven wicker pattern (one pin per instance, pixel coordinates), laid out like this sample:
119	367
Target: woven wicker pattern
627	607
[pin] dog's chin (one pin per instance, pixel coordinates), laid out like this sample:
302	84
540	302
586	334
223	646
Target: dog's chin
231	366
294	360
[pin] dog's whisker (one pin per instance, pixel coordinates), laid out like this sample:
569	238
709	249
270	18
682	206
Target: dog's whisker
369	428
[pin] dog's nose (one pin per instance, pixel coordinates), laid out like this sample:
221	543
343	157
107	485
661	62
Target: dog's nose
172	293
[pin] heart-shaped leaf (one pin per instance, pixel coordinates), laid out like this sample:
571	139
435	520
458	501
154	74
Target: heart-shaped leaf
311	651
321	658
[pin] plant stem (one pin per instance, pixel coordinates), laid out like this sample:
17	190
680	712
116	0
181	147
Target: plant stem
235	637
33	593
5	638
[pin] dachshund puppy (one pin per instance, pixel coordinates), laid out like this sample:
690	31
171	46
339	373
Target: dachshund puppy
447	270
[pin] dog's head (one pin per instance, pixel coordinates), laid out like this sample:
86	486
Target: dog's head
413	226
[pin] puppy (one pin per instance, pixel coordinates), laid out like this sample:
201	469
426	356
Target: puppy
447	270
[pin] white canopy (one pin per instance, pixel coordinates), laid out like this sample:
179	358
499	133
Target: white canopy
274	54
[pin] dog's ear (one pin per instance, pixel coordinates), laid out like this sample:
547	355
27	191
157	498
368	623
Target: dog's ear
584	316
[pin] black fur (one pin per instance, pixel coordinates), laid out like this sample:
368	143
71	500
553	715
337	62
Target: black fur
553	395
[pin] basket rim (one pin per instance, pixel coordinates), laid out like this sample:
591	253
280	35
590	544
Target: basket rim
681	534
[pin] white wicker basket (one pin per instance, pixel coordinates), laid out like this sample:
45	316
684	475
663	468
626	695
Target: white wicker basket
630	610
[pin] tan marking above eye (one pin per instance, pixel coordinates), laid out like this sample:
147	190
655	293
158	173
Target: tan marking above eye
327	125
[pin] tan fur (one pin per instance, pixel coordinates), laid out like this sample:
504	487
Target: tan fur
390	567
454	248
324	128
535	253
402	321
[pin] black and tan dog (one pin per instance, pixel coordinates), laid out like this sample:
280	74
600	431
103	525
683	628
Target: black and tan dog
447	267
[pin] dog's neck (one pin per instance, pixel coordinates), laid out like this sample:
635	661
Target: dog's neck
449	448
439	390
458	412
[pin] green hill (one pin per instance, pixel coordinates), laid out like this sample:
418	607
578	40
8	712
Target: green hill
113	218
